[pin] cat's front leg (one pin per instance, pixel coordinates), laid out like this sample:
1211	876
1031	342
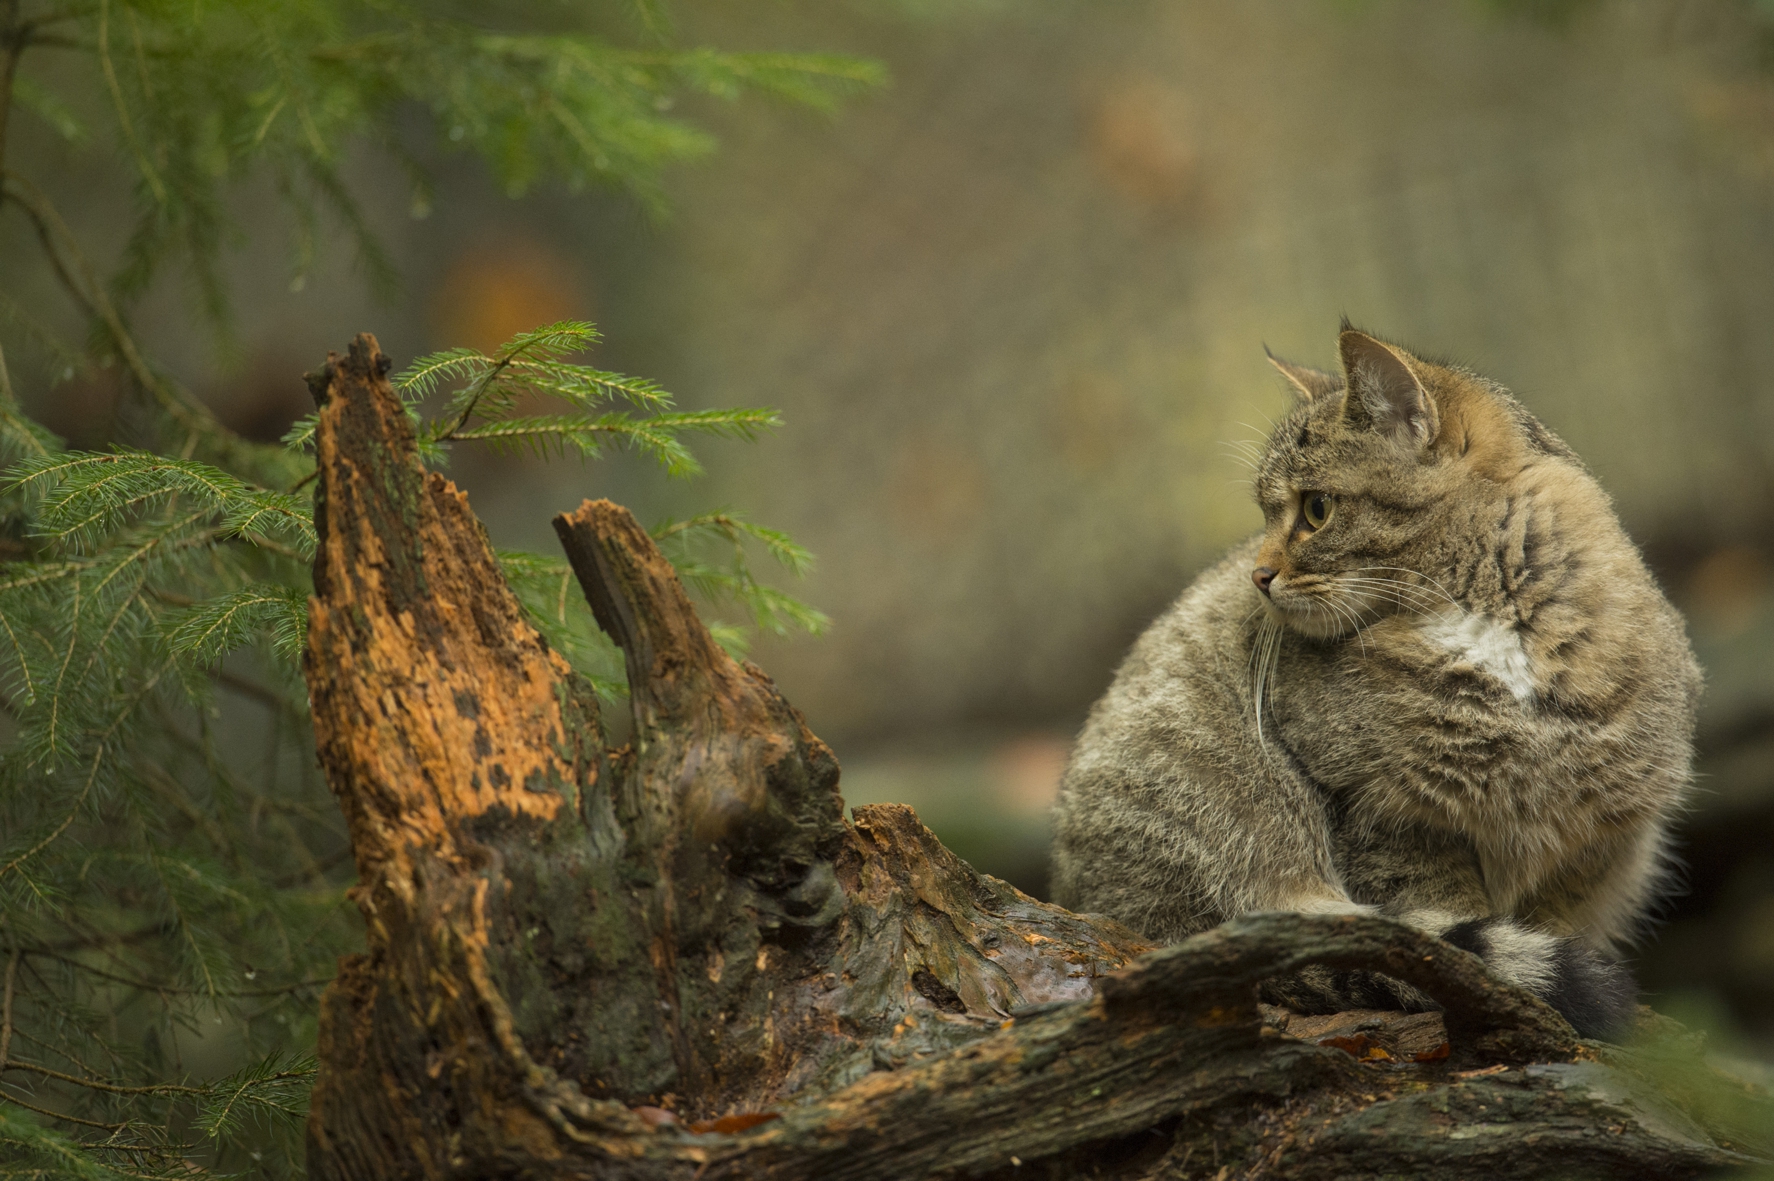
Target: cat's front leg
1434	880
1592	991
1330	903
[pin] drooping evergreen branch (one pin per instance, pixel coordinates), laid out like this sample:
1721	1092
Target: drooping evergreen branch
157	987
12	47
73	813
80	279
6	1010
164	861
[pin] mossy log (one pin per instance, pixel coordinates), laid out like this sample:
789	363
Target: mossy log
678	959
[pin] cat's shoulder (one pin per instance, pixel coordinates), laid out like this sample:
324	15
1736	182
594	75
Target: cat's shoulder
1204	627
1222	591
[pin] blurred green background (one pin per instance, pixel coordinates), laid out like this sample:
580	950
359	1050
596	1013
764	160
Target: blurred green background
1013	310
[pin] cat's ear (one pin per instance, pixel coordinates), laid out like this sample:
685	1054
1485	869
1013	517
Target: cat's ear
1308	383
1385	393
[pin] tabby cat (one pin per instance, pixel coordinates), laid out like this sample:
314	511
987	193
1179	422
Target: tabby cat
1441	686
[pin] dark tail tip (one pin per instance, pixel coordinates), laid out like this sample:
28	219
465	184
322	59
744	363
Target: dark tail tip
1595	994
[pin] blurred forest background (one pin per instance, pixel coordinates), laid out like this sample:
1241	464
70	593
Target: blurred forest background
1013	306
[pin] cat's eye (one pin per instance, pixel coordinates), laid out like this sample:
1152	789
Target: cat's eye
1316	508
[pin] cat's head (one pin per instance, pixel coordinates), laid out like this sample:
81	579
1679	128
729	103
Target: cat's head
1381	484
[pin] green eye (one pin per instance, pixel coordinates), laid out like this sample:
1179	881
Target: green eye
1316	507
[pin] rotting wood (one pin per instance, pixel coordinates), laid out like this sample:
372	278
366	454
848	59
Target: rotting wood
574	955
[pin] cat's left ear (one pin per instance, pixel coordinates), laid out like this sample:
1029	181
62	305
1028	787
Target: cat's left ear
1307	383
1385	392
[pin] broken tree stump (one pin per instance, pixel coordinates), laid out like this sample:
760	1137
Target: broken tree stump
678	959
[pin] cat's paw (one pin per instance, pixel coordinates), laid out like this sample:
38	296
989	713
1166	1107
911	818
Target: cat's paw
1315	989
1332	906
1595	994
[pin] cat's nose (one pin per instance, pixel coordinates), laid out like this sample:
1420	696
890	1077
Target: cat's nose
1262	576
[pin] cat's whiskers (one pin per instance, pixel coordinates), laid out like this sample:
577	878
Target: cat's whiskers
1344	611
1239	457
1265	660
1369	601
1452	602
1278	636
1355	602
1320	598
1403	596
1349	623
1307	606
1256	645
1401	593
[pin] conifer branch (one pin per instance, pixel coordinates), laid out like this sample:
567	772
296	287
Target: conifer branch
121	567
149	172
89	293
72	1119
178	990
100	1085
6	1010
79	803
13	36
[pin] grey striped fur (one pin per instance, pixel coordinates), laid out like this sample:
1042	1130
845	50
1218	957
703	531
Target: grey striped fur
1463	702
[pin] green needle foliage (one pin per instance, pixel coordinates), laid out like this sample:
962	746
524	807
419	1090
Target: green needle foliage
172	868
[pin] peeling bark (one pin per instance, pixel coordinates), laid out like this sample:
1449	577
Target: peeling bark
678	959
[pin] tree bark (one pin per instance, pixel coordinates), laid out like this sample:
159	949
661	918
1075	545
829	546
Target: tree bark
677	959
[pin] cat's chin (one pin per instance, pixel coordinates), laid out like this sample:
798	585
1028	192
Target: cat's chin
1309	620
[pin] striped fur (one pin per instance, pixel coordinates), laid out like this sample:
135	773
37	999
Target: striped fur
1461	700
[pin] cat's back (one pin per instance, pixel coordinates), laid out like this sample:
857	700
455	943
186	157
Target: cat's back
1191	658
1180	698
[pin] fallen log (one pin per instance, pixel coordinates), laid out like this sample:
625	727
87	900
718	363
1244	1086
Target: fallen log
678	959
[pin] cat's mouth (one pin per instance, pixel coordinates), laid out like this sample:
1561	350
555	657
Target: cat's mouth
1321	607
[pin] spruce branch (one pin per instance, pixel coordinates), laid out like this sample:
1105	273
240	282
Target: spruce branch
87	496
18	434
13	38
734	528
79	803
79	1166
101	1085
179	990
212	629
771	609
149	173
418	380
269	1083
81	281
47	106
143	590
6	1010
532	364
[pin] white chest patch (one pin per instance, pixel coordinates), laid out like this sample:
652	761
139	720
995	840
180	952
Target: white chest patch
1486	644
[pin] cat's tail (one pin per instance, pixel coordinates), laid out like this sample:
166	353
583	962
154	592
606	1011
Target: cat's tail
1594	993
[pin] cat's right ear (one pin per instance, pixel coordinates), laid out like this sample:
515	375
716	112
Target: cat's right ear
1385	393
1307	383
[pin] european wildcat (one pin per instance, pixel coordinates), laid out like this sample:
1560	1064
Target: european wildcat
1453	694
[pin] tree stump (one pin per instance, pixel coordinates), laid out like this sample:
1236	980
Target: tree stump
678	959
